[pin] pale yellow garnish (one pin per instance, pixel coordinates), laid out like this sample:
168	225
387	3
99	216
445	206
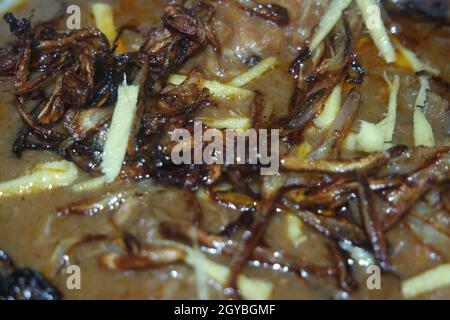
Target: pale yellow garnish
241	123
104	20
91	184
423	132
44	176
413	61
423	91
372	18
254	73
428	281
304	149
119	132
388	123
370	138
328	21
377	137
216	88
331	109
294	229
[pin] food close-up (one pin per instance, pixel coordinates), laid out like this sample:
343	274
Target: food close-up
225	149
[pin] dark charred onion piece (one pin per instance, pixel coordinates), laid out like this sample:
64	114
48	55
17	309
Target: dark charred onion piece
307	110
56	67
43	131
319	76
74	39
371	223
268	11
366	164
355	71
179	18
193	22
417	185
154	150
27	284
18	27
245	219
344	274
296	65
147	258
163	51
335	194
87	78
184	99
336	228
73	55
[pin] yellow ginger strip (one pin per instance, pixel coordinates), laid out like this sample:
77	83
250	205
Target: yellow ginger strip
304	149
241	123
388	123
328	21
413	61
331	109
423	132
44	176
294	229
370	138
376	137
91	184
254	72
215	87
223	91
372	18
428	281
119	132
104	20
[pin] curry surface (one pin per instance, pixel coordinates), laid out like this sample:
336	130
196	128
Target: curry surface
30	229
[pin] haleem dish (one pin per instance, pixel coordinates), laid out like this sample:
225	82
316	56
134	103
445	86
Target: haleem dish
225	149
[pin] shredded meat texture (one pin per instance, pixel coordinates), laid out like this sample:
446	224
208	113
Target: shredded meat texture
65	85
